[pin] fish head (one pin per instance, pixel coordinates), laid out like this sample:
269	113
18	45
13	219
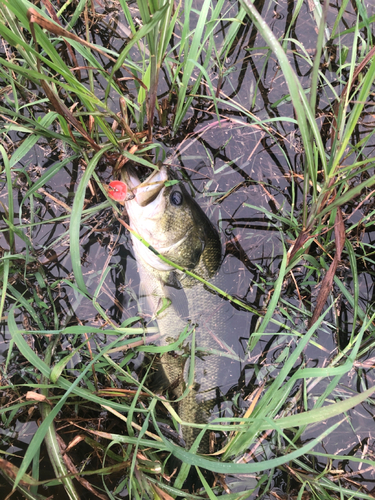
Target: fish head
167	218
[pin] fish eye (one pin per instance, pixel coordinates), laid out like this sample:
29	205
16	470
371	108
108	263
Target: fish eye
176	198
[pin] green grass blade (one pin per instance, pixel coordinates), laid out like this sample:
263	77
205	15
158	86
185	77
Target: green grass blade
10	197
75	221
30	142
233	468
305	116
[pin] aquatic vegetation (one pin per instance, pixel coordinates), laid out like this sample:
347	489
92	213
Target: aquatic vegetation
267	110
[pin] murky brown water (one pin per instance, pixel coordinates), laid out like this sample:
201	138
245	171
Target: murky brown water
235	154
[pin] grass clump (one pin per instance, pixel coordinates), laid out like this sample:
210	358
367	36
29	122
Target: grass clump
75	339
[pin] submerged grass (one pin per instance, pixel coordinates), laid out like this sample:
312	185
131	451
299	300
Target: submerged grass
92	388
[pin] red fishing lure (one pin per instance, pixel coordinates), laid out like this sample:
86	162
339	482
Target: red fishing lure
117	190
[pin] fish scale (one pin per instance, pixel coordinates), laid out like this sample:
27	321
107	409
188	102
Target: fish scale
183	234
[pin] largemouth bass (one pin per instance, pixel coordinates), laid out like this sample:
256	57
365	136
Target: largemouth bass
169	219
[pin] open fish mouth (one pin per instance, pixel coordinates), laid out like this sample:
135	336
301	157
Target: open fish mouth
147	191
